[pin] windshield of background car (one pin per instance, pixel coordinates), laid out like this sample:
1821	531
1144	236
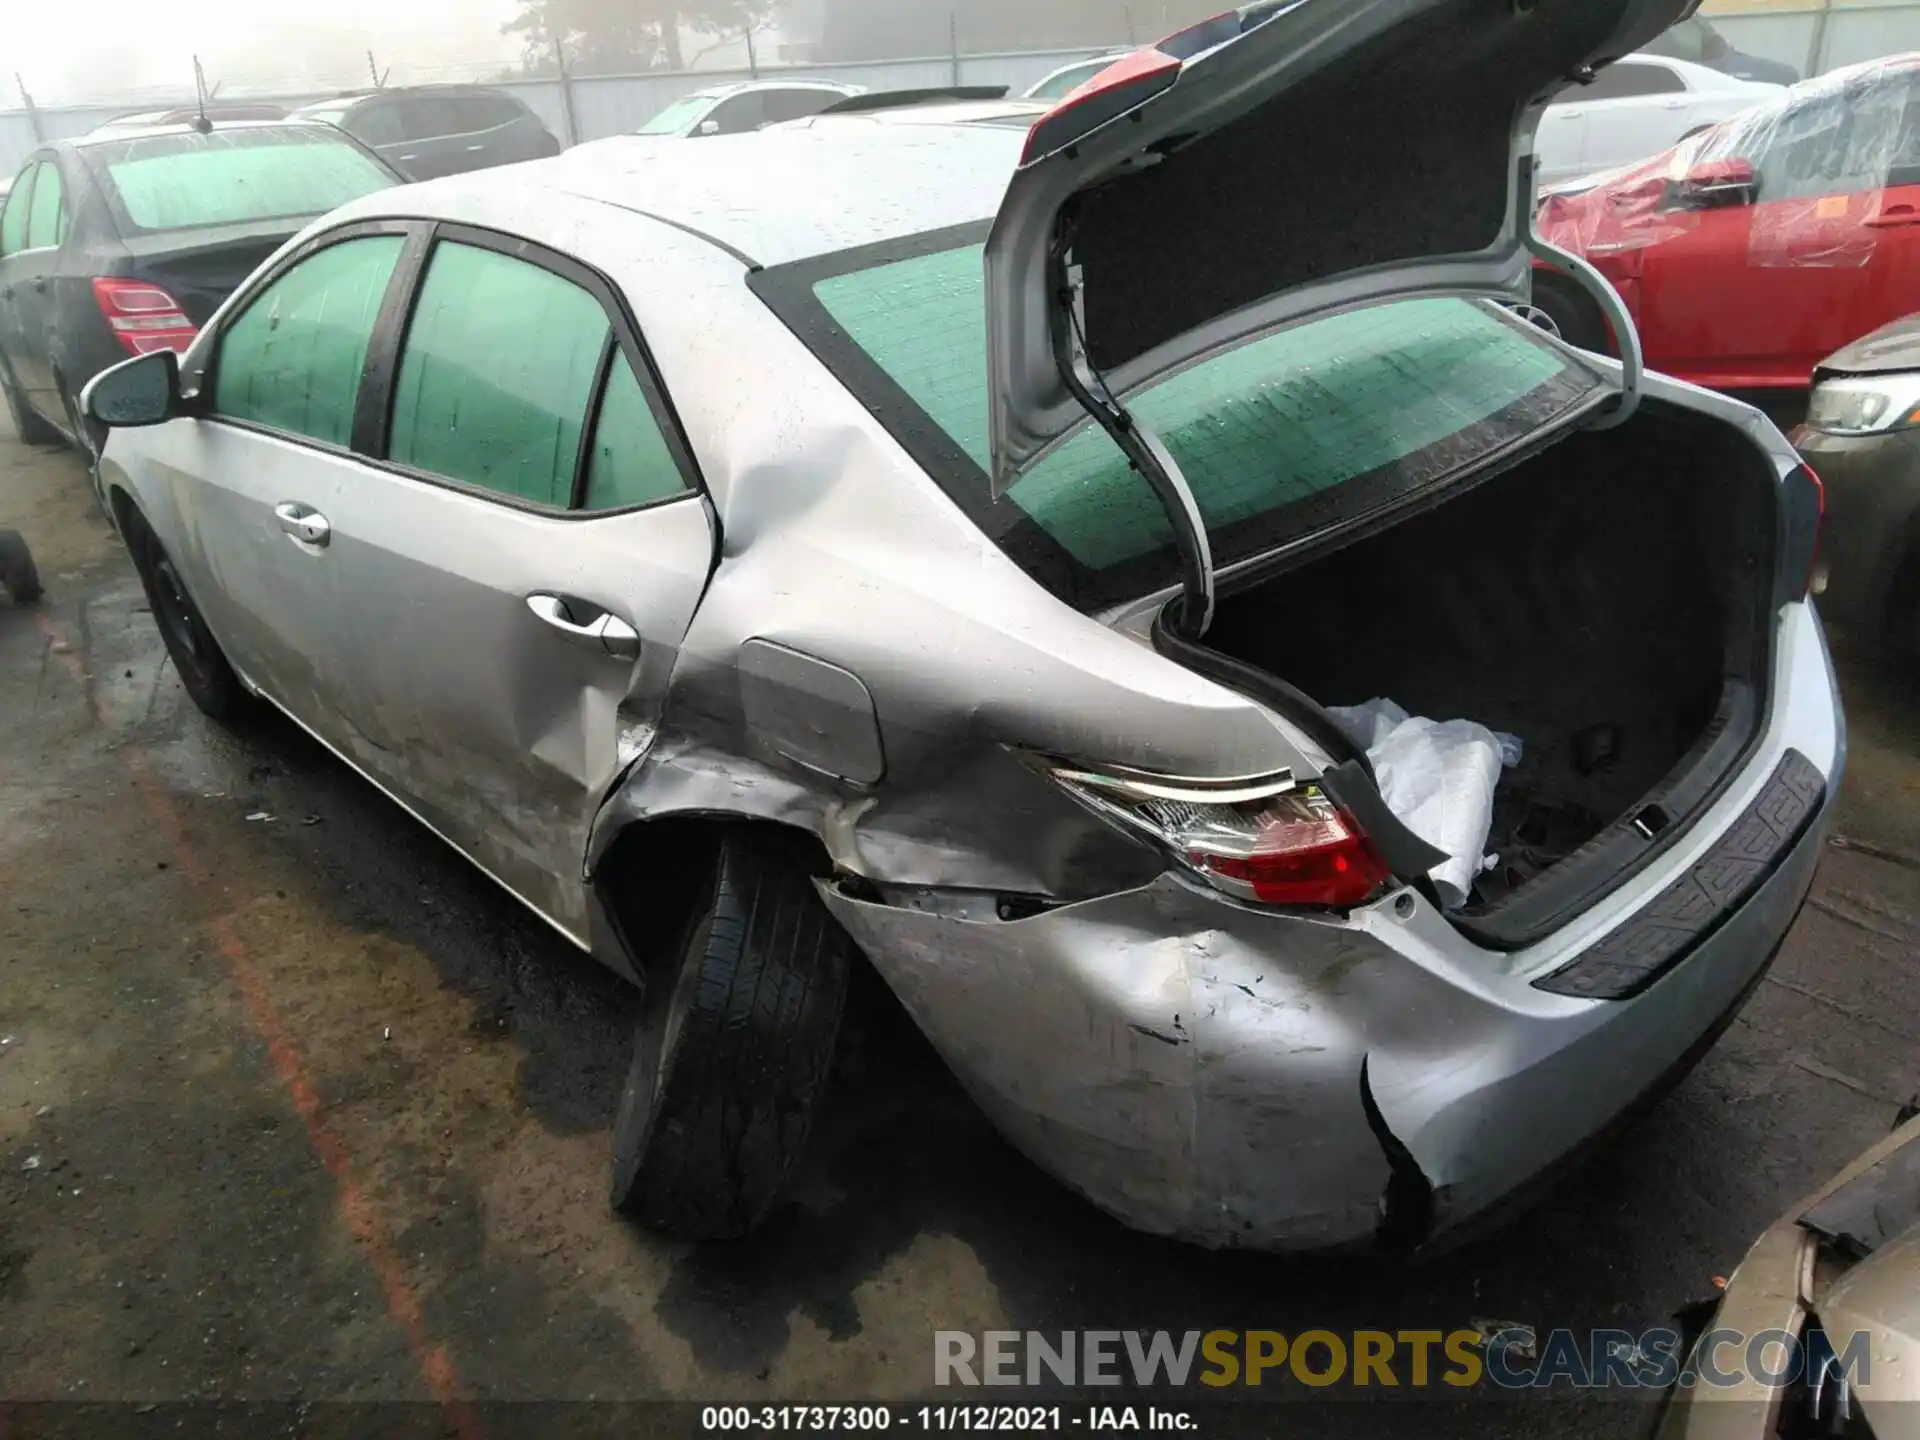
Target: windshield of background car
1056	86
677	116
176	181
1279	437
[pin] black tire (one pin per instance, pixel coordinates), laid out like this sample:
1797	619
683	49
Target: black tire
17	574
1573	315
196	655
732	1055
28	427
1900	625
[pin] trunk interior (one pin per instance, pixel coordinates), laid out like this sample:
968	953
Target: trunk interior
1605	600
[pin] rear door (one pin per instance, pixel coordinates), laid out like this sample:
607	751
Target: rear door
29	262
509	584
13	240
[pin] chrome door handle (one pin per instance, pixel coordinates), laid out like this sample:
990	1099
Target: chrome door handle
307	526
606	633
474	149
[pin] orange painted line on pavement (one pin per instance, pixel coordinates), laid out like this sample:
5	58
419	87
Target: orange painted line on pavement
363	1218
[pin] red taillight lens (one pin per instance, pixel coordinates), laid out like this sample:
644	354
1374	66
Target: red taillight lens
144	317
1324	859
1264	839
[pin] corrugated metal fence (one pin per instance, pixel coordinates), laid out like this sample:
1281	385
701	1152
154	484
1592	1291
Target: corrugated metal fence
1820	38
609	104
1813	39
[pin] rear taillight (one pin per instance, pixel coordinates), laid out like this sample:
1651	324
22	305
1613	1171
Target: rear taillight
1266	840
144	317
1803	501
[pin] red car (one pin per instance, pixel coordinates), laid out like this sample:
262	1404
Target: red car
1751	251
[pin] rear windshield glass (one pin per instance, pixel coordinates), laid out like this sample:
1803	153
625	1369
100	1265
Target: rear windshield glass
171	182
1278	437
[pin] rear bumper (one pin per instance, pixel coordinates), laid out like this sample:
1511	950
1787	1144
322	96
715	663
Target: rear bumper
1236	1077
1872	485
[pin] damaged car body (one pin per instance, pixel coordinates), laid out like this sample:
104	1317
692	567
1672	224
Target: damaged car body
925	571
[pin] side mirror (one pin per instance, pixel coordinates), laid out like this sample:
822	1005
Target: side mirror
707	127
1717	182
142	391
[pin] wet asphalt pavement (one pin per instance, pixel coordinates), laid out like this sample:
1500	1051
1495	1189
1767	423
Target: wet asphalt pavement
294	1106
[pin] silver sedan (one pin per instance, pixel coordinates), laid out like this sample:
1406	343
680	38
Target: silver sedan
942	544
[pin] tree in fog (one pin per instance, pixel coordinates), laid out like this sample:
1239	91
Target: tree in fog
608	36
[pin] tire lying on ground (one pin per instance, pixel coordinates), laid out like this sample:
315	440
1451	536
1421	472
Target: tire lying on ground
732	1054
17	574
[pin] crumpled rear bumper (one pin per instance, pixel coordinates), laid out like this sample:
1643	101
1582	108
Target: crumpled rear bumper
1235	1077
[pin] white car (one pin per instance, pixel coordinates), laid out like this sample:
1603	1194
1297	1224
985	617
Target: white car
1056	83
1636	107
736	109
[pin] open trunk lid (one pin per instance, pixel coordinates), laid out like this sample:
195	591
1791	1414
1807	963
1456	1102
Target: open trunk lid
1282	161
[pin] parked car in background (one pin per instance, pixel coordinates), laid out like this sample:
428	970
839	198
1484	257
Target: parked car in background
1832	1289
1862	435
1016	685
1695	39
425	131
1056	84
1752	251
217	112
960	105
1636	107
736	109
120	244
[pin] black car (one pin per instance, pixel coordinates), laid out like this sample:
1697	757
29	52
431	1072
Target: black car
119	244
429	130
1862	438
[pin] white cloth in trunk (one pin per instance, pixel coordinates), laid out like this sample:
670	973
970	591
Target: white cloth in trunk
1438	776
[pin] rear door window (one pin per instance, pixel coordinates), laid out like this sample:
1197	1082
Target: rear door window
47	220
1277	438
740	114
177	181
293	359
497	375
630	462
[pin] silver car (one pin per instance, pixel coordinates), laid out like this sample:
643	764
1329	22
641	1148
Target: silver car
942	544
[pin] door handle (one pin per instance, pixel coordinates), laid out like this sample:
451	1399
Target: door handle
1892	217
606	632
40	284
475	149
307	526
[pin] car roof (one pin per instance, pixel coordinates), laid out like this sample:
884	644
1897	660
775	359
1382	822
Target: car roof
147	132
950	112
717	92
769	196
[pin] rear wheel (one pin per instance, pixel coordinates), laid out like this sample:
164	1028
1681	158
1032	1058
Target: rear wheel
190	644
731	1058
1565	310
27	425
18	577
